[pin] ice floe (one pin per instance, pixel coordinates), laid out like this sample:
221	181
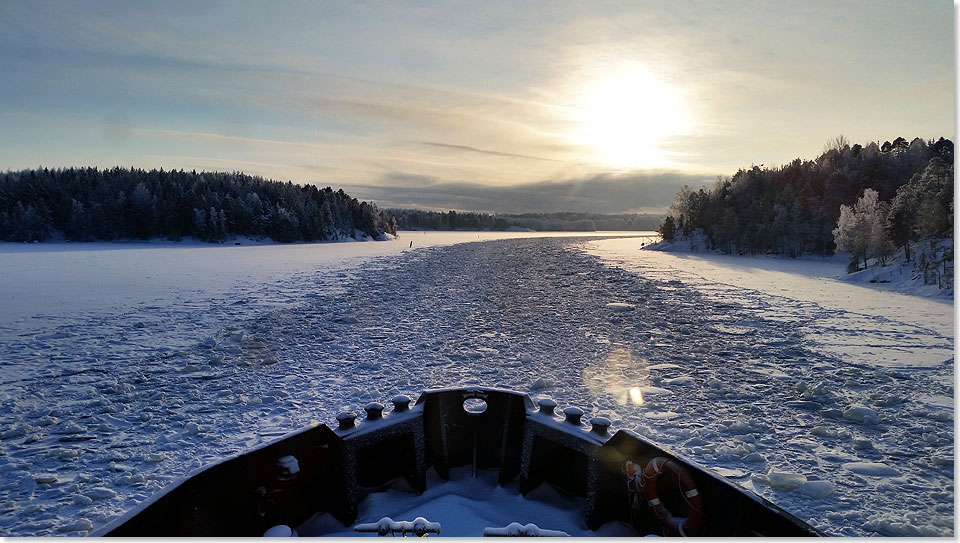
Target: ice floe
861	414
872	469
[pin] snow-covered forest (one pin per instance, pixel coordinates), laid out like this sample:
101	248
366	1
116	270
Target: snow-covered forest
85	204
921	211
794	209
415	219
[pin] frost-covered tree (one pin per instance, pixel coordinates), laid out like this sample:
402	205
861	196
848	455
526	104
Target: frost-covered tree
793	209
852	235
839	143
89	203
901	220
923	208
199	229
285	226
861	229
26	223
78	225
880	247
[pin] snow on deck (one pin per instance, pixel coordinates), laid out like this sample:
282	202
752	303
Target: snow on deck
767	375
465	505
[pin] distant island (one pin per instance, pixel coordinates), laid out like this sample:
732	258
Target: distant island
415	219
870	201
87	204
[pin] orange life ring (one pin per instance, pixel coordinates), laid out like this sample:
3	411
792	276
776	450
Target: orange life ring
691	525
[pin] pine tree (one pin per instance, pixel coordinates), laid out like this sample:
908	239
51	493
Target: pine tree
668	228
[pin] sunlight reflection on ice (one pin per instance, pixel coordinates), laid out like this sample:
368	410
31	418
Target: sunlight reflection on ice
623	374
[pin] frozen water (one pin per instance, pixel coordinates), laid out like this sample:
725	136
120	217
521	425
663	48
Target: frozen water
873	469
817	489
100	493
861	414
785	480
732	364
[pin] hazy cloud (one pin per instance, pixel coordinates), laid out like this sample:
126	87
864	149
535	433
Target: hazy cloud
649	192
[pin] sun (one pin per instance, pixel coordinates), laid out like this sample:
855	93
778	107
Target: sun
625	117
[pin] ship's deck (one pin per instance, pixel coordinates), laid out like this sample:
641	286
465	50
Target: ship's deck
465	505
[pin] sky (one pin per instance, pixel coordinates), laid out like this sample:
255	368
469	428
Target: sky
487	106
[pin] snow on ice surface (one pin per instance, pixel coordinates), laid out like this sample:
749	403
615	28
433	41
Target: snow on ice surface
868	322
77	277
125	365
871	374
127	395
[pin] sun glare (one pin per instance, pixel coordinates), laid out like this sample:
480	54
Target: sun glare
625	117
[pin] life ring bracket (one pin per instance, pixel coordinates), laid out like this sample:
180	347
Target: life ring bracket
693	523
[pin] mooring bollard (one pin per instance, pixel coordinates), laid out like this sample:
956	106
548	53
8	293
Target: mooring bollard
401	403
374	410
546	406
600	425
346	420
573	415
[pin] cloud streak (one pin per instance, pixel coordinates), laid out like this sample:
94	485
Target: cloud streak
469	149
438	106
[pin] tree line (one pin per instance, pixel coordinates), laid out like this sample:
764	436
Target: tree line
86	204
867	200
921	210
415	219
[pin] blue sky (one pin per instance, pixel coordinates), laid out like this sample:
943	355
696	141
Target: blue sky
508	106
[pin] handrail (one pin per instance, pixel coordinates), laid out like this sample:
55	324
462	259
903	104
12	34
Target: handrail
419	527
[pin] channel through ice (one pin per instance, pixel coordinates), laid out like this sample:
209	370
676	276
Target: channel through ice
126	366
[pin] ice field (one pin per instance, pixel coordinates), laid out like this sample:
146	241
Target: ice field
125	366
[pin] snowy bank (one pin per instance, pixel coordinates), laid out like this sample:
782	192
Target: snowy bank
897	276
911	277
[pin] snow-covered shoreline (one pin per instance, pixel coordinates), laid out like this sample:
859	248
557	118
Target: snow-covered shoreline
897	276
751	371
